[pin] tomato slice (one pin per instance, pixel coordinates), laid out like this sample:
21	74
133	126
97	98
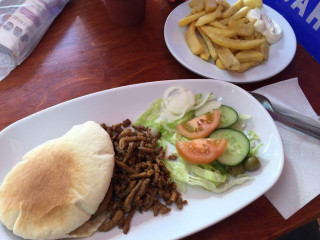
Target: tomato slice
201	151
200	127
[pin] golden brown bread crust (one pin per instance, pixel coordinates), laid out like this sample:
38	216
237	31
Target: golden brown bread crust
59	185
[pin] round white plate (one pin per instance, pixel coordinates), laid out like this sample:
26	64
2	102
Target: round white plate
115	105
280	55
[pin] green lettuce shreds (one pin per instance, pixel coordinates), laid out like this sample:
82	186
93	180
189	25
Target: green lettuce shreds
254	150
212	175
252	135
254	140
152	118
149	117
216	165
195	175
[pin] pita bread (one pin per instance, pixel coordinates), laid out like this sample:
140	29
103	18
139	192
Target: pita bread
59	184
91	226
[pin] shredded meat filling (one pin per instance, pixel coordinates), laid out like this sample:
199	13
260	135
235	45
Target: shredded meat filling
141	182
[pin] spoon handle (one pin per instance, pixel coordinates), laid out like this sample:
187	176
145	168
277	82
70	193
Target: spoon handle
297	124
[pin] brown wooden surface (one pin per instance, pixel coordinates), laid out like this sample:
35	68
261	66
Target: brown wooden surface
83	52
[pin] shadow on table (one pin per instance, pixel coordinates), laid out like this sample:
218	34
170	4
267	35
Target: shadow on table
309	231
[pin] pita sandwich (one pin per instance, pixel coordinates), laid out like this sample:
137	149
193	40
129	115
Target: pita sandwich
59	185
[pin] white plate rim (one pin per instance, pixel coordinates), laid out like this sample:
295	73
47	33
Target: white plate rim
284	49
204	82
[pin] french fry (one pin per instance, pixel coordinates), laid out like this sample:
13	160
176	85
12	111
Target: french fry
218	25
251	37
224	21
252	3
252	22
193	41
209	44
205	55
245	66
242	29
227	57
258	35
249	56
244	20
209	17
234	51
242	12
234	8
254	35
210	5
220	65
223	32
198	6
187	20
232	43
264	49
224	3
192	3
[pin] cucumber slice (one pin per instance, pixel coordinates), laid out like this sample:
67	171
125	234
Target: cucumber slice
237	149
228	116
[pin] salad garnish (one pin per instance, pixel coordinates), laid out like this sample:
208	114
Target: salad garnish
210	139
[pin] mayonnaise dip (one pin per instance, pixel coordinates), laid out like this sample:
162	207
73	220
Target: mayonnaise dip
265	25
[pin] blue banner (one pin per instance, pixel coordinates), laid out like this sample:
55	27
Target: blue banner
304	17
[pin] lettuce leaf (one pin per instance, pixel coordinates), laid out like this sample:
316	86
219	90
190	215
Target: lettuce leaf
254	150
152	118
183	172
149	117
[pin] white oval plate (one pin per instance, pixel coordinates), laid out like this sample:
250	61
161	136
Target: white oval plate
280	54
115	105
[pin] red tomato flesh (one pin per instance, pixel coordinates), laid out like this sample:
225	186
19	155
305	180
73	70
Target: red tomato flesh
200	127
201	151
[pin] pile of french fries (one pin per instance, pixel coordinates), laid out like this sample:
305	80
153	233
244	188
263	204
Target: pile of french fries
219	31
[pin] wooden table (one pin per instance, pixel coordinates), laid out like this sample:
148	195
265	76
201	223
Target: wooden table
84	52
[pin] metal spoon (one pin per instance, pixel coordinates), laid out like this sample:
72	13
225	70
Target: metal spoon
288	120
